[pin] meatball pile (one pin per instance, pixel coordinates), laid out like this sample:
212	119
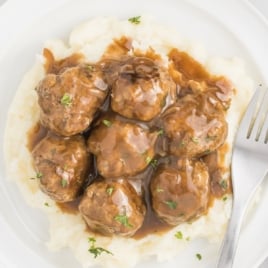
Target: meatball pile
123	128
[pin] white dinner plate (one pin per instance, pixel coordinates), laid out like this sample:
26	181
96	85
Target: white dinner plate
226	28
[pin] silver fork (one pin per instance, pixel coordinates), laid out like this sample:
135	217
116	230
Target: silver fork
249	167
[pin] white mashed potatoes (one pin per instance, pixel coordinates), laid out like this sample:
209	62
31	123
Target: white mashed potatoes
66	230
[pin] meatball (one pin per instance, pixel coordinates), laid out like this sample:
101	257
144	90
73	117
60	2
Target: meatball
63	164
194	126
181	193
141	89
69	100
219	175
112	207
121	149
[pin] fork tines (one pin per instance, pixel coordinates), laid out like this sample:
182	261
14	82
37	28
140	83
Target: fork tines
258	112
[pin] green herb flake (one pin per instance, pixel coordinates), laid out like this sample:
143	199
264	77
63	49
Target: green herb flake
179	235
159	190
123	219
208	151
90	68
46	204
110	190
181	144
195	140
107	123
223	184
65	167
66	100
226	106
224	198
64	182
210	138
171	204
148	159
154	163
160	132
163	102
135	20
38	175
96	251
198	256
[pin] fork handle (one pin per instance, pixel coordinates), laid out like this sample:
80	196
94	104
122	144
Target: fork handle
231	237
240	202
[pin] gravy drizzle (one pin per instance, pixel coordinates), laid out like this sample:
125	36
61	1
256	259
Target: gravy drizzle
183	70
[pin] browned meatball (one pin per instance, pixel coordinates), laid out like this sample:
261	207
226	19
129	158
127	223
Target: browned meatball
122	149
141	89
112	207
62	164
70	99
194	126
219	184
180	194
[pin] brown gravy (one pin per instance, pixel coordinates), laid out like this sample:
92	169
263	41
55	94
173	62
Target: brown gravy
70	207
182	69
54	66
35	135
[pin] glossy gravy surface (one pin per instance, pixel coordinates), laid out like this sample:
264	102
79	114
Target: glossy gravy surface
184	70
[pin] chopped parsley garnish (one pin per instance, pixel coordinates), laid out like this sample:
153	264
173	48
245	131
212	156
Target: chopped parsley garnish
171	204
66	100
64	182
210	138
226	106
179	235
148	160
163	102
181	144
195	140
90	68
223	184
208	151
135	20
110	190
154	163
107	123
65	167
38	175
46	204
160	132
151	161
224	198
159	190
198	256
96	251
123	219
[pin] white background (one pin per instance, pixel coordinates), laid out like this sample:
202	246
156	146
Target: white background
9	11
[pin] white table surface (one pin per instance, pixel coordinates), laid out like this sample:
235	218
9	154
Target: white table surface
9	243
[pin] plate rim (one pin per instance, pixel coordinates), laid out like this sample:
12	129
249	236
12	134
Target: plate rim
190	1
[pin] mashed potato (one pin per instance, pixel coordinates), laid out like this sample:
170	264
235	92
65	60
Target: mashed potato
91	39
